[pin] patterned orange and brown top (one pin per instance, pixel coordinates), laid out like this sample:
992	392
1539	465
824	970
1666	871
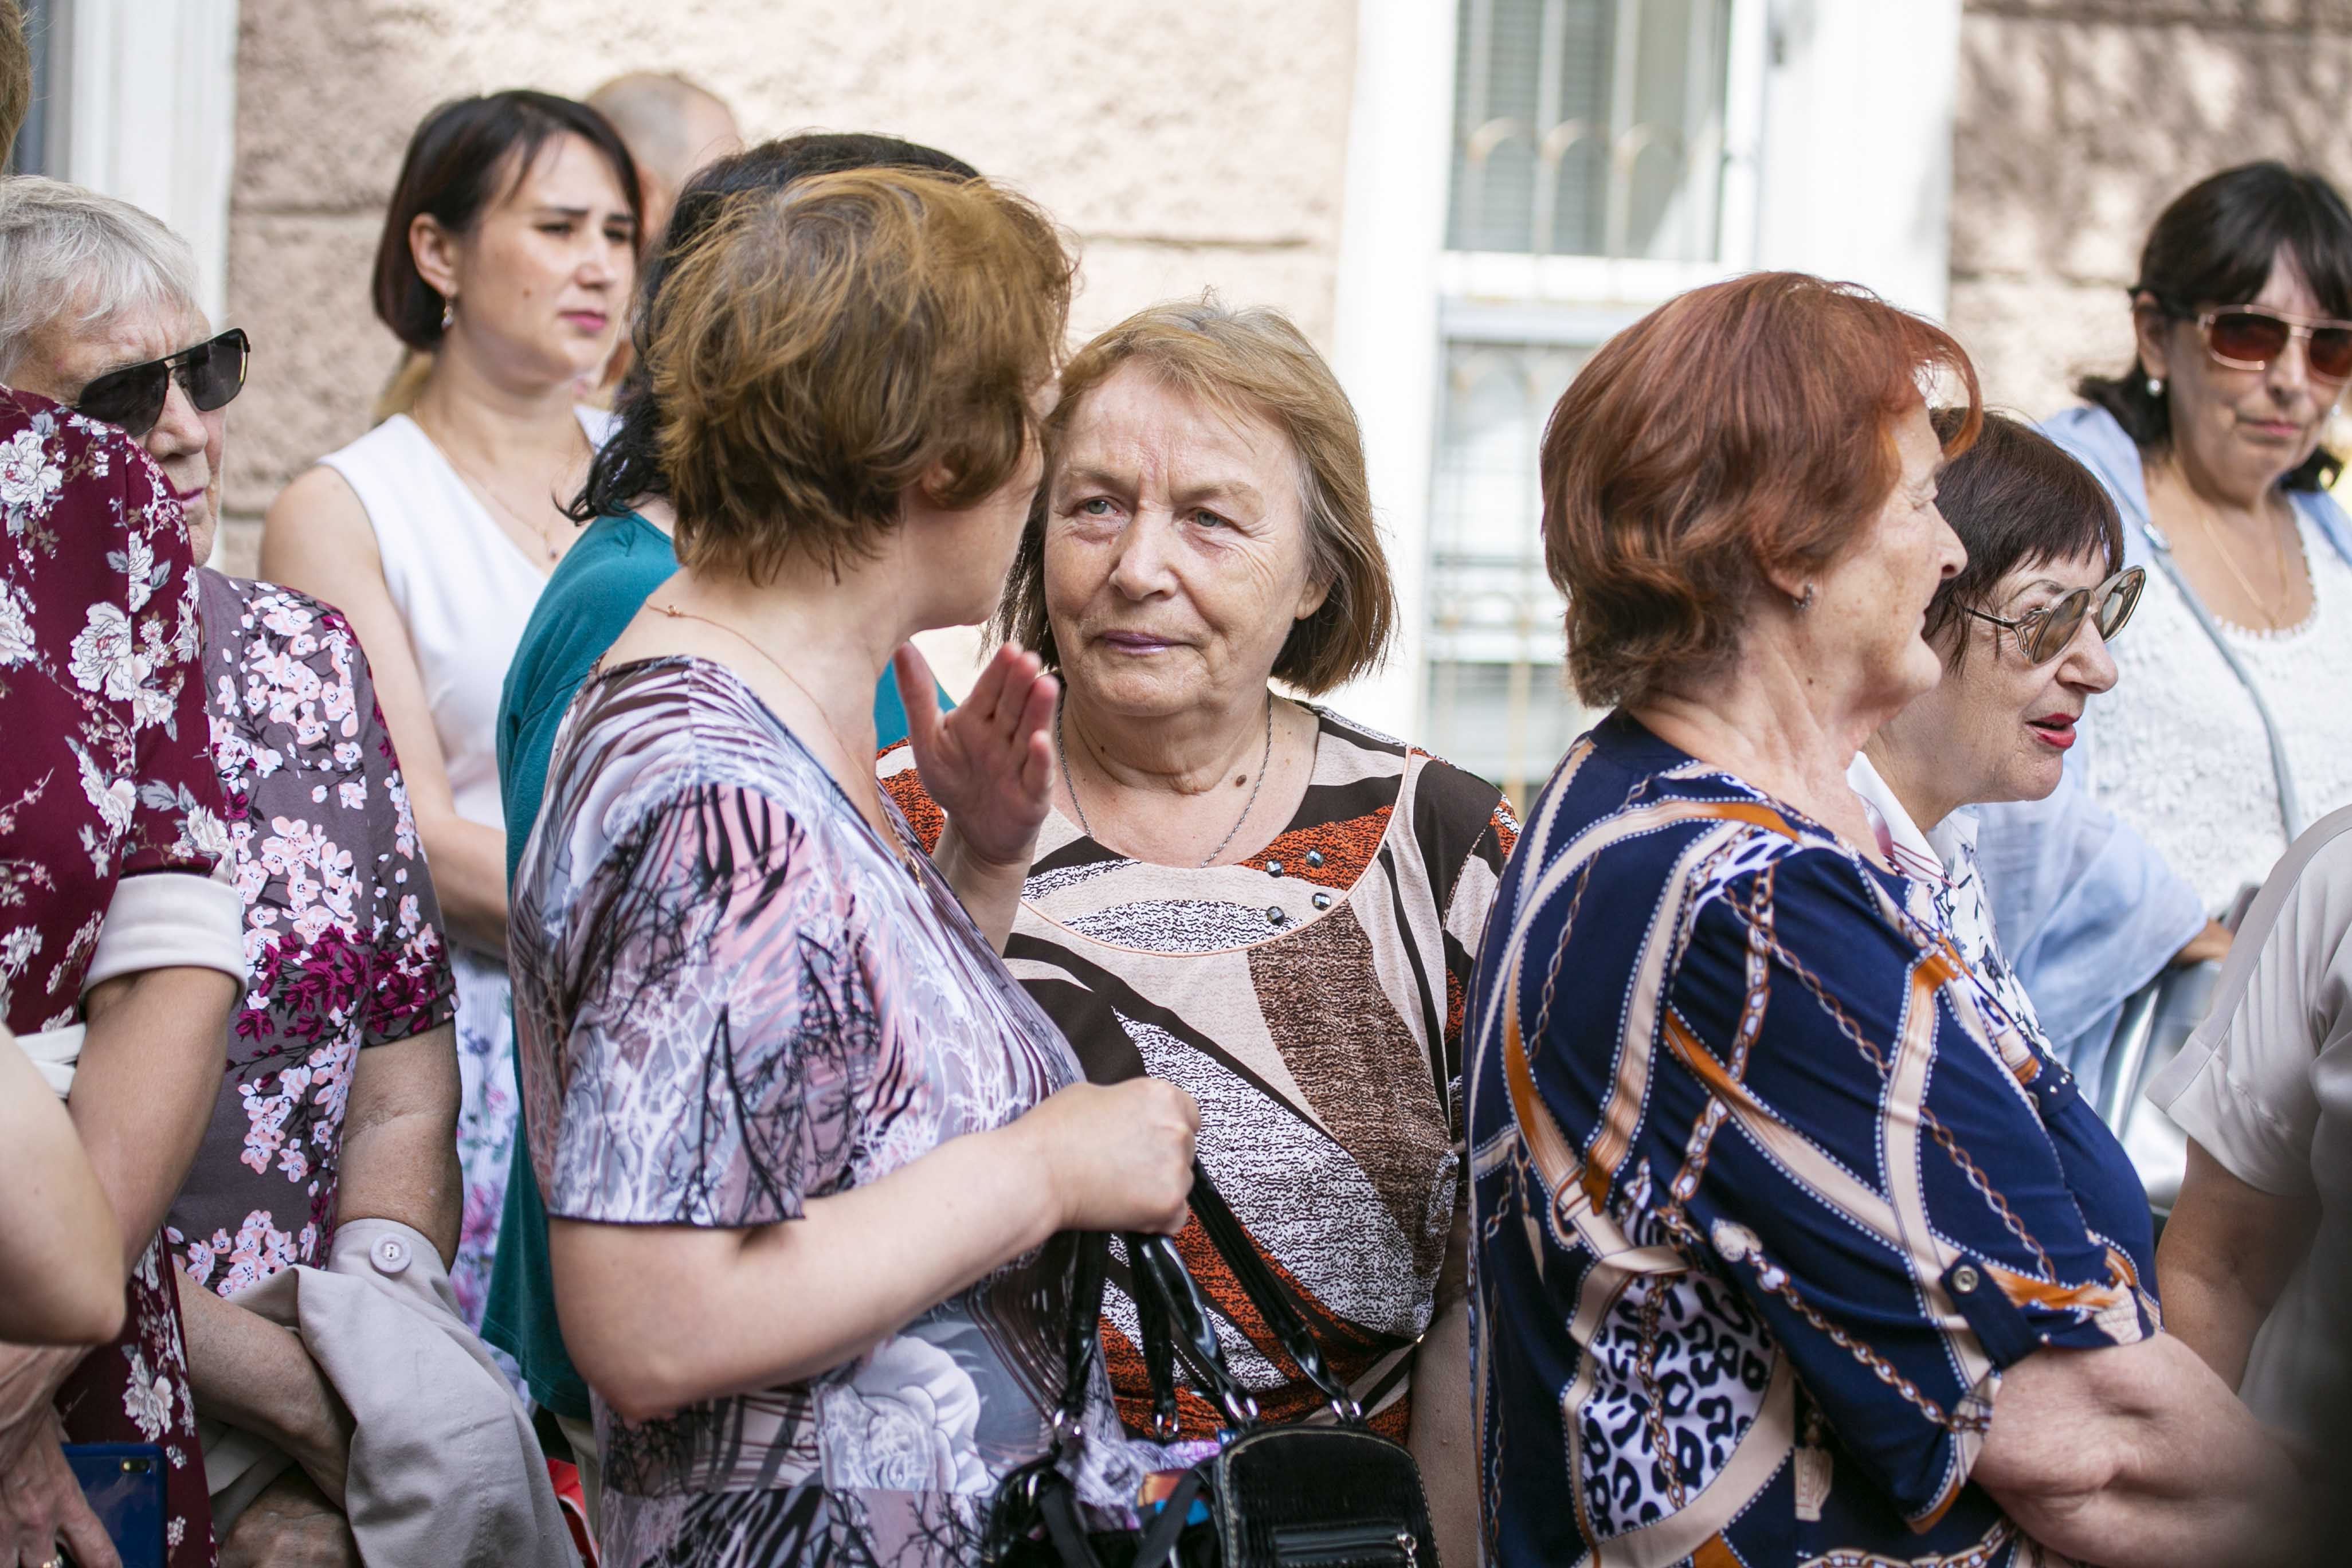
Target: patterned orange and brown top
1311	997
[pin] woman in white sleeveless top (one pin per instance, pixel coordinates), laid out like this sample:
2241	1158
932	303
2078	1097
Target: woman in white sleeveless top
507	254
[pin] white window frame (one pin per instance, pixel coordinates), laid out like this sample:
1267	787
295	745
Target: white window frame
144	108
1838	130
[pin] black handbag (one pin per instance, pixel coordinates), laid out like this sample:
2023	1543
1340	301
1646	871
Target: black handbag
1339	1496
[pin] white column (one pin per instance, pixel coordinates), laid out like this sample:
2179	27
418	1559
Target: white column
1857	150
149	99
1401	129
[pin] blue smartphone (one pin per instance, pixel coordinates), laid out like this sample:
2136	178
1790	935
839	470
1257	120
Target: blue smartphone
124	1485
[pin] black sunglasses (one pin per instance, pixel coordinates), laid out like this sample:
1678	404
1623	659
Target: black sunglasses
212	373
2043	633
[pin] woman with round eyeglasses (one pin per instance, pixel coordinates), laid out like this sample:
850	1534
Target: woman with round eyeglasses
2024	632
2228	732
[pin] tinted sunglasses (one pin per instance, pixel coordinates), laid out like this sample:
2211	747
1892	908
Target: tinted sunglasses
2044	634
211	374
2248	337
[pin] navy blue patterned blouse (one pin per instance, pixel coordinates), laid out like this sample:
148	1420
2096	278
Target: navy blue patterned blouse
1767	1188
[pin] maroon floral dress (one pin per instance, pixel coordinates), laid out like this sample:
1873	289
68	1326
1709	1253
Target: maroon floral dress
342	929
104	775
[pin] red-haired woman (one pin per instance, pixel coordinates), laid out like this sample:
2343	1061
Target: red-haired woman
1792	1245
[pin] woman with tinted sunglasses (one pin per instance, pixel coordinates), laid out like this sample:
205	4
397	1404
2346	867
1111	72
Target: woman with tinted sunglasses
2024	632
2228	732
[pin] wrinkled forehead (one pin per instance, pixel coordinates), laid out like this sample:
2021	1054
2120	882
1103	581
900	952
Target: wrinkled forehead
93	336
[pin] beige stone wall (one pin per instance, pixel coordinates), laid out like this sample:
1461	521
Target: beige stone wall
2078	120
1186	146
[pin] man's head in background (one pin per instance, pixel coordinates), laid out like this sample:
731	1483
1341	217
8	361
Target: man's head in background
673	128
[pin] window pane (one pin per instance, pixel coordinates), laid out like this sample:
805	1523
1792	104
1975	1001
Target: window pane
1588	127
36	151
1498	704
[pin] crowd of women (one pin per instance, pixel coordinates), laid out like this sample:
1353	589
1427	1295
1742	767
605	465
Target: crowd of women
539	1034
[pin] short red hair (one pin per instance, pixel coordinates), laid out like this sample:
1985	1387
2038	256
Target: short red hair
1740	427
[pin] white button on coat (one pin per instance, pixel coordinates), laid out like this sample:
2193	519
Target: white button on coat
390	1255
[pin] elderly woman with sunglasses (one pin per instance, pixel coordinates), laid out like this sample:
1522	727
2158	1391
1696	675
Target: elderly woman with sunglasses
333	1092
2022	631
2227	734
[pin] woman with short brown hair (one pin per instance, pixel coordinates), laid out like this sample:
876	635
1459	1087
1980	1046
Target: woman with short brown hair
1244	894
802	1142
1794	1246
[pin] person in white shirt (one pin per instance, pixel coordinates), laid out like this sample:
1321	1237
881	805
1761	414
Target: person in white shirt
2024	632
2256	1262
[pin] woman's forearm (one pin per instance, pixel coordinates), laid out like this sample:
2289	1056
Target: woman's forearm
990	892
470	877
151	1067
63	1283
399	1151
251	1374
659	1318
2228	1251
2139	1458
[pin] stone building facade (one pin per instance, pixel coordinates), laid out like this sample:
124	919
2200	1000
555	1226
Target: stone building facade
1994	162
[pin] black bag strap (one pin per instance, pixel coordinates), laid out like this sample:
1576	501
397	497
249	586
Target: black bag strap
1184	1322
1083	1342
1268	1295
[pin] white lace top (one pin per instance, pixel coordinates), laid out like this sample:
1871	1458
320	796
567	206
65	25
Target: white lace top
2178	751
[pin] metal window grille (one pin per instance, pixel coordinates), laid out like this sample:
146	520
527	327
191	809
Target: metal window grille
1496	701
1590	127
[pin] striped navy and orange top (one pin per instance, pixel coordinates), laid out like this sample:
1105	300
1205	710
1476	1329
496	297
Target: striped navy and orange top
1768	1186
1311	997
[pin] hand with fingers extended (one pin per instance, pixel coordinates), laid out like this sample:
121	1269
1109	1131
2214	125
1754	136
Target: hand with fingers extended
43	1516
989	764
1116	1156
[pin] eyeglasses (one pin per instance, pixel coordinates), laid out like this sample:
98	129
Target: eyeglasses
2248	337
2044	634
212	373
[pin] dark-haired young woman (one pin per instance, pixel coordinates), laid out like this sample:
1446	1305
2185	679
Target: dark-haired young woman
508	252
2227	734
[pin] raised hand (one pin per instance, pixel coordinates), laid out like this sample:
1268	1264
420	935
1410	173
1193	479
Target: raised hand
990	764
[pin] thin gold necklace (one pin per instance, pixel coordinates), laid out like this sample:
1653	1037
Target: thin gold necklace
879	821
480	486
2278	550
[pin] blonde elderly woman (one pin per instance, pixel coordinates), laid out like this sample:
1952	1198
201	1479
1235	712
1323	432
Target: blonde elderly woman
1241	892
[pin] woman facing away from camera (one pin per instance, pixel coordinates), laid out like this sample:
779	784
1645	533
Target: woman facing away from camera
2227	734
769	1057
623	553
1792	1245
508	252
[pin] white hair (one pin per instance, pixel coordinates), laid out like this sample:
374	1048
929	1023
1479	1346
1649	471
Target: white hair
65	248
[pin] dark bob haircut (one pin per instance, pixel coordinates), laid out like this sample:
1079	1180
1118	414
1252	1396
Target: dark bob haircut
1740	428
467	154
627	468
2215	245
2017	500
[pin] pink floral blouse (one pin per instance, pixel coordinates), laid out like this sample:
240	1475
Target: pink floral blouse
341	931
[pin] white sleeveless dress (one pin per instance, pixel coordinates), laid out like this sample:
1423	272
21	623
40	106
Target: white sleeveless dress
465	591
